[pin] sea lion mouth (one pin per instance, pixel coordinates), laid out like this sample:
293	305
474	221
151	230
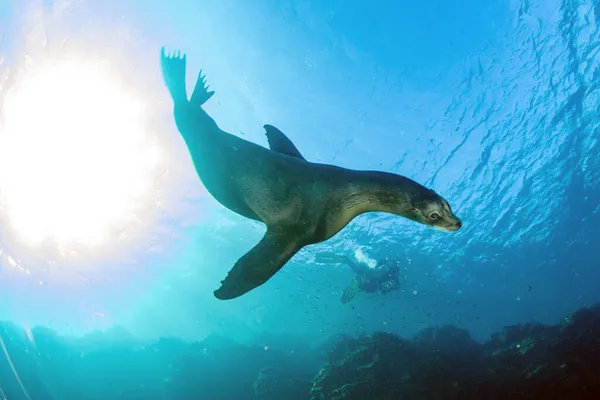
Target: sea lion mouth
450	228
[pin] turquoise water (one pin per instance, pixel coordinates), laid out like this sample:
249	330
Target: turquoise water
492	104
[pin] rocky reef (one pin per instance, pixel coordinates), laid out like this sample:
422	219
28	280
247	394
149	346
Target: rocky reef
528	361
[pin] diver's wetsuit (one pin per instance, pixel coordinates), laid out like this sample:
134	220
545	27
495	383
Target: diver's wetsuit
384	278
372	278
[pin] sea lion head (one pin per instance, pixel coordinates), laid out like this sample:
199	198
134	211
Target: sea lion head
431	209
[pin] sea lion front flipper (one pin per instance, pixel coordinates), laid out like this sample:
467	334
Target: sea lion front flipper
259	264
280	143
350	291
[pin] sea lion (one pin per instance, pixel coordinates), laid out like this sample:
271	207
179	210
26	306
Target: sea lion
300	202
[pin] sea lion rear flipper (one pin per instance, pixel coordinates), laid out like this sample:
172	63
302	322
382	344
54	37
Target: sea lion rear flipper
258	265
201	94
350	291
280	143
173	68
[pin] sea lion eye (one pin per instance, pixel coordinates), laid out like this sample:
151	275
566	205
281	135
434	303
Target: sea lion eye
434	216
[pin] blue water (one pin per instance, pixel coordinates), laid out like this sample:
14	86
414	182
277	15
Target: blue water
492	104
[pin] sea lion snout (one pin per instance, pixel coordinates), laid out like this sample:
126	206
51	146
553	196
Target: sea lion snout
456	225
449	224
448	221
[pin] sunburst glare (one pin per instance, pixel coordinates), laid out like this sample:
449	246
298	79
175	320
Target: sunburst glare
75	157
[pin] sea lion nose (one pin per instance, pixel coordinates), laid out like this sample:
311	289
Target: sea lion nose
458	224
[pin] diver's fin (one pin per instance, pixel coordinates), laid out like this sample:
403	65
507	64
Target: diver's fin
201	94
259	264
280	143
350	291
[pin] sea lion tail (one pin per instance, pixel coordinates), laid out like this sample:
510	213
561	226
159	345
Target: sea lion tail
173	71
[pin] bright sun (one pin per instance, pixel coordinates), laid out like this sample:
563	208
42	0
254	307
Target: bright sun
76	160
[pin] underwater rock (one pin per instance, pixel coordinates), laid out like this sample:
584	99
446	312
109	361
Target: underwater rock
103	365
208	369
282	382
529	361
19	374
383	366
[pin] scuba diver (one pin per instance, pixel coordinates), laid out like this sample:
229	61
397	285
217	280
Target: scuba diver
383	278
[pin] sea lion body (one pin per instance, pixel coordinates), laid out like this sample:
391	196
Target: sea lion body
268	186
300	202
